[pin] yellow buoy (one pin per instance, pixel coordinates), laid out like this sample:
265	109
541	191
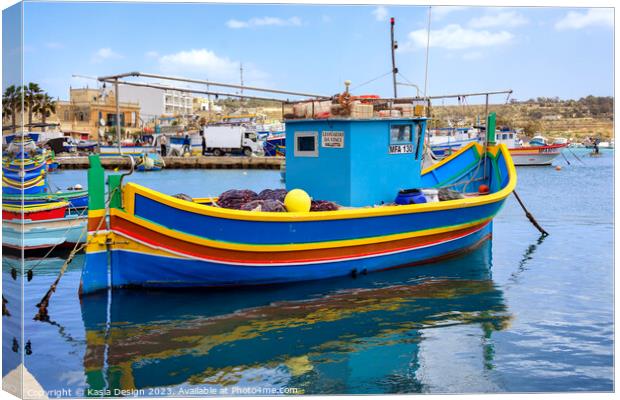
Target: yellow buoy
297	201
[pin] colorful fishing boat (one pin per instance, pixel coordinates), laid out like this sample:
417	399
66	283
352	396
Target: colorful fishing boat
23	167
150	239
31	235
37	212
150	162
32	217
536	152
445	141
275	144
77	199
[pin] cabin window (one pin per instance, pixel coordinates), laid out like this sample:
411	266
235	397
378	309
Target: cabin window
504	136
306	144
418	138
400	134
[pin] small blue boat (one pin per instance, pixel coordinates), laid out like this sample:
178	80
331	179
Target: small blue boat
149	162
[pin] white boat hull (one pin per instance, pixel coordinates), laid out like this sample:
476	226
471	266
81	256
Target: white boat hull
28	235
534	159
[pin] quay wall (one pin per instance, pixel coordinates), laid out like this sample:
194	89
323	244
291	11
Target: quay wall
197	162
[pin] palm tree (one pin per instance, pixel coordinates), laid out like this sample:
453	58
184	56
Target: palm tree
45	107
11	102
32	94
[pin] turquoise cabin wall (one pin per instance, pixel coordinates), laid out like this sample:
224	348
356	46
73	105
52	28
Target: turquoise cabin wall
326	177
377	174
362	173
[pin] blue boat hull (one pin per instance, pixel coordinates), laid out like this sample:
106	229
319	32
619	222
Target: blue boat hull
153	271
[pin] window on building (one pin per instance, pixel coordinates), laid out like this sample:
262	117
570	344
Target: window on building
111	119
400	134
306	144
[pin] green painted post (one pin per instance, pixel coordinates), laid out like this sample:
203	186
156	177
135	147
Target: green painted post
114	185
96	183
491	128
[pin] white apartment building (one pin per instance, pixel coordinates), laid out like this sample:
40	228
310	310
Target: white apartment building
155	103
177	103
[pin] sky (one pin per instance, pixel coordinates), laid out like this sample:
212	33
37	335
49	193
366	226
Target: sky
563	52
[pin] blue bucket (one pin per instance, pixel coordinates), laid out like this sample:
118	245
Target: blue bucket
410	196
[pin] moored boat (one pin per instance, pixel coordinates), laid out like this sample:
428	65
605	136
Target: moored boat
445	141
77	199
150	162
32	217
154	239
37	212
31	235
537	152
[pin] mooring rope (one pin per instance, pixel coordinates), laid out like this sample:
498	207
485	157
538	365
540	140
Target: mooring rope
530	216
43	315
29	273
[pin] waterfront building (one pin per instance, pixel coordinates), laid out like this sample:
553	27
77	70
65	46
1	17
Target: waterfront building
89	112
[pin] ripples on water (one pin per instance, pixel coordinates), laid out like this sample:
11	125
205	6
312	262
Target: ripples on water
518	314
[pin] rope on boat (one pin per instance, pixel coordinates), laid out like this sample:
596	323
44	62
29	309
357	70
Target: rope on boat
370	81
575	155
530	216
568	162
43	314
30	272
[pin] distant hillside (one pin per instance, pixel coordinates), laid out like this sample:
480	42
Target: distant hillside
588	116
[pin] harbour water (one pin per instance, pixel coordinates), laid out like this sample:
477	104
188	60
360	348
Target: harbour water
519	314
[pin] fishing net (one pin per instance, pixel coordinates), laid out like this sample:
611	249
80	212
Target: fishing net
234	198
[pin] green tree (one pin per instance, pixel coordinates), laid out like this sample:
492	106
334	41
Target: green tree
32	96
45	107
11	102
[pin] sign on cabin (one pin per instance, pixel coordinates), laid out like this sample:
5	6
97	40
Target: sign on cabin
401	148
333	139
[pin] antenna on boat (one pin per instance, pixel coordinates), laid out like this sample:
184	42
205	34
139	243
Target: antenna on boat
393	49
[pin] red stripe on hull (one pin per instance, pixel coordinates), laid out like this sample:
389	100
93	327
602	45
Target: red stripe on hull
157	239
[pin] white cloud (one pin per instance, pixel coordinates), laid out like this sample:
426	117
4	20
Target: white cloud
455	37
104	53
509	19
263	21
592	17
380	13
439	12
203	63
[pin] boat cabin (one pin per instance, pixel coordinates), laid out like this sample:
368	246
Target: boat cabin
354	162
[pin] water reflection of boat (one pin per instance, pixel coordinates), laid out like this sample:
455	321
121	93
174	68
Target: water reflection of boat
315	336
49	266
